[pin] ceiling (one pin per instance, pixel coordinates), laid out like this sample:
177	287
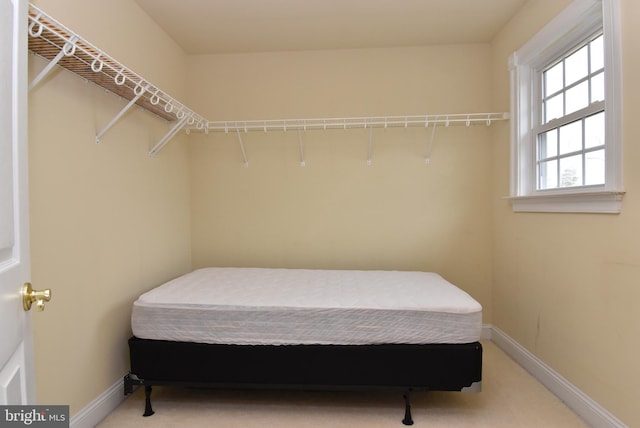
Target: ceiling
231	26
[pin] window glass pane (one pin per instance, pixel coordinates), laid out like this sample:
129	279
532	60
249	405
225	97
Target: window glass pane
577	97
576	66
553	108
548	144
548	175
571	171
553	79
597	54
594	131
597	87
571	137
594	167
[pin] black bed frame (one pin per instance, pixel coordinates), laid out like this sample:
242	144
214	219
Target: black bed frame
393	367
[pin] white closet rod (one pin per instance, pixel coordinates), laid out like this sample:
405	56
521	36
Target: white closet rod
81	57
350	122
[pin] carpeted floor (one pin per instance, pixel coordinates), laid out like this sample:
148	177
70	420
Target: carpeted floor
510	398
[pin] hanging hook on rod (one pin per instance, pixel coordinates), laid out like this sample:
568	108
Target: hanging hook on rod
36	21
155	98
120	78
97	65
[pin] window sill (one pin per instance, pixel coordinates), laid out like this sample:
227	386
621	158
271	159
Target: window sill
602	202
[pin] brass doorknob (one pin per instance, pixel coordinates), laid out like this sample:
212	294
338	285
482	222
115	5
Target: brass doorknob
29	295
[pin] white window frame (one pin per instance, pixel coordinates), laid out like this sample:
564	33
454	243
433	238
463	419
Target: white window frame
576	23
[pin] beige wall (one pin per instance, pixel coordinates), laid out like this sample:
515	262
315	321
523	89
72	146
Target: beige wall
566	285
337	212
107	221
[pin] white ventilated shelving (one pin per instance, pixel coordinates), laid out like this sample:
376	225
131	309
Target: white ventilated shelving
53	41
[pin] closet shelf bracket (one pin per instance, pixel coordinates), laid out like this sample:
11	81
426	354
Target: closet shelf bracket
245	162
68	49
119	115
168	136
370	149
302	161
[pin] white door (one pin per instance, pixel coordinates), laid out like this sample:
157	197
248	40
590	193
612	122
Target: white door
16	354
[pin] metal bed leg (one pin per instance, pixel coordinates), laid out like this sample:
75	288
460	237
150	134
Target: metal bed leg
128	385
148	411
407	409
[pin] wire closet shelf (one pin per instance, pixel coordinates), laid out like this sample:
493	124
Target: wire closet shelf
352	122
53	41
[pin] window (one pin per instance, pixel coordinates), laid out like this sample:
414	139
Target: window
566	113
570	132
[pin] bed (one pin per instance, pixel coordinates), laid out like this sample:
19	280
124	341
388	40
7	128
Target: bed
306	329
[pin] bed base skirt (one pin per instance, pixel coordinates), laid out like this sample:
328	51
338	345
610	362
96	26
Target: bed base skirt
392	367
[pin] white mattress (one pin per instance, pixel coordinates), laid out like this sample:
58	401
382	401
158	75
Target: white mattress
294	306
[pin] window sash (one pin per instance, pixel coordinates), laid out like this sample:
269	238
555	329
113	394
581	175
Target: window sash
593	108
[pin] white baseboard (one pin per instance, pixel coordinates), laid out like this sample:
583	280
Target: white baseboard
592	413
487	331
99	408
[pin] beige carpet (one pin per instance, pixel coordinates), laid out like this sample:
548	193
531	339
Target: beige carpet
510	398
